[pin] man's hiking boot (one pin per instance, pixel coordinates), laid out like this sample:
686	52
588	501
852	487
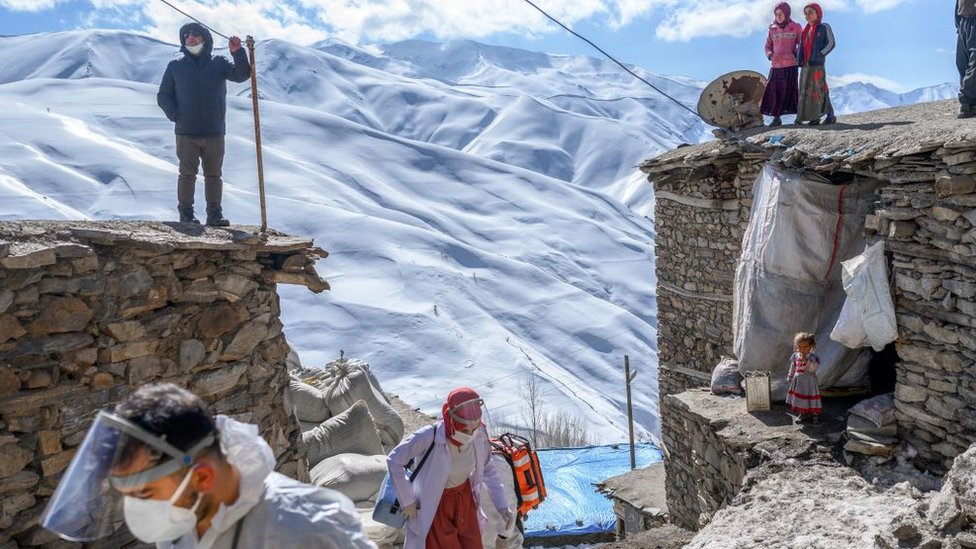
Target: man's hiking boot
215	218
831	119
186	216
966	111
777	121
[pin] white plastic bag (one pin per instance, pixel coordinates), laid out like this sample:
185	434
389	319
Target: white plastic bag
849	329
726	378
866	282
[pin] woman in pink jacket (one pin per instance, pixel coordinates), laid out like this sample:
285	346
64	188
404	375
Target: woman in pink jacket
443	504
782	44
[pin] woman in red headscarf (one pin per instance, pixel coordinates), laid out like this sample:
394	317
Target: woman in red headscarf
816	42
782	42
443	503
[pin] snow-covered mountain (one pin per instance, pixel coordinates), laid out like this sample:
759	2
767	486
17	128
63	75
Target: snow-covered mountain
480	204
861	97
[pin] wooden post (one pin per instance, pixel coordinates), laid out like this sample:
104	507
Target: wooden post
257	135
630	412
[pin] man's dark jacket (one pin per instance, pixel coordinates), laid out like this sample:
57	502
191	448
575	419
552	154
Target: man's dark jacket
193	92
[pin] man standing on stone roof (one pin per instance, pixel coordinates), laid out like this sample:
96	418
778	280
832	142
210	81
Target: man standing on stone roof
966	56
184	479
193	94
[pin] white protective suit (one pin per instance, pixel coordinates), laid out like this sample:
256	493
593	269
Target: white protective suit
273	511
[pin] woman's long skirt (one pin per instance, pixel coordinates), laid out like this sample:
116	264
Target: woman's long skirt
814	94
804	394
782	92
456	522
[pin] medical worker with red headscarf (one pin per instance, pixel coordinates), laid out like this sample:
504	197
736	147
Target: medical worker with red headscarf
443	503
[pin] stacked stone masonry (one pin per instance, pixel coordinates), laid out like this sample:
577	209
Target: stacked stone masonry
88	312
705	467
931	230
702	210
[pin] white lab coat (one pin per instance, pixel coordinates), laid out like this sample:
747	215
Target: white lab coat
429	485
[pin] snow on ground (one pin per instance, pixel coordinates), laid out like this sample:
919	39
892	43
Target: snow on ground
481	205
814	504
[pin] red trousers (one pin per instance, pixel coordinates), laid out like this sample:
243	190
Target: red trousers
456	522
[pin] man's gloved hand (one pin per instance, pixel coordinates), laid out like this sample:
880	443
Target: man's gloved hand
410	511
234	44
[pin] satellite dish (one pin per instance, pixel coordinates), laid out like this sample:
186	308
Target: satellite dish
732	101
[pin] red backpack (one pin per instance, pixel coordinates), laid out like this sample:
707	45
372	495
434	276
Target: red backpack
530	488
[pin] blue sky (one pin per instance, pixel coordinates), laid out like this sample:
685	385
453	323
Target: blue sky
897	44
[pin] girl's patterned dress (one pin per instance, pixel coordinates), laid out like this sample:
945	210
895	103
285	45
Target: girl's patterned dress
804	392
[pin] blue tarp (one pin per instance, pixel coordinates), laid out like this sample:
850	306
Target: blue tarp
573	505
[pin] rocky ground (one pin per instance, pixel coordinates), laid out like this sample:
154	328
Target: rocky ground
814	501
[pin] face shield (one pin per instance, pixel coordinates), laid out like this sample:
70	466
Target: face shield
468	414
115	455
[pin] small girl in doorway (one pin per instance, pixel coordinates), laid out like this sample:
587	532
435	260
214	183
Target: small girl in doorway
782	42
816	42
804	389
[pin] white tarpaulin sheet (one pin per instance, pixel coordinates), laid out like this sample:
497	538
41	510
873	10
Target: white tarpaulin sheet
789	276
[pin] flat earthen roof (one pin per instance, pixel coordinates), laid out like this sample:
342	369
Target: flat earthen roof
859	143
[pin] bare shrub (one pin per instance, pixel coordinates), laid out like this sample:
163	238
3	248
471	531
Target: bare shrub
548	429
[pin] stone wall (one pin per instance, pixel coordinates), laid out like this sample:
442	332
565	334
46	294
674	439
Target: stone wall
704	468
701	212
89	311
931	235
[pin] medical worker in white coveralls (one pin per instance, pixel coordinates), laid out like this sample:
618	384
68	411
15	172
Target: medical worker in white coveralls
185	480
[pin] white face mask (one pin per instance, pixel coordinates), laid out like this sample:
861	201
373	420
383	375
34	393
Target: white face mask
154	520
463	438
195	50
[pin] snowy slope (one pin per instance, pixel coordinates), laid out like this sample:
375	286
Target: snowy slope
481	206
447	269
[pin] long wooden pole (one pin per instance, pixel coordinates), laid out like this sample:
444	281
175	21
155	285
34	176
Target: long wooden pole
257	134
630	413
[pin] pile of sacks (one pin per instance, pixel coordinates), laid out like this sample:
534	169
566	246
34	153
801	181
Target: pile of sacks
348	426
871	427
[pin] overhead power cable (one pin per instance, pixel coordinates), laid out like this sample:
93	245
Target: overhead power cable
610	57
206	26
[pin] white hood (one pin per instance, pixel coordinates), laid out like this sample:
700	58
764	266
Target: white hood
254	460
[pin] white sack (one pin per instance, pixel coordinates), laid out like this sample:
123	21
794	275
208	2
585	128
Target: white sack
351	381
351	432
307	401
357	476
866	283
849	330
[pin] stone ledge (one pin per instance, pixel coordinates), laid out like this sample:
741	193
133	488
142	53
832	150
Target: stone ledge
35	244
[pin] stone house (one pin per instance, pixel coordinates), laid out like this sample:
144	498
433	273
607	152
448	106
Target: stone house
922	161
